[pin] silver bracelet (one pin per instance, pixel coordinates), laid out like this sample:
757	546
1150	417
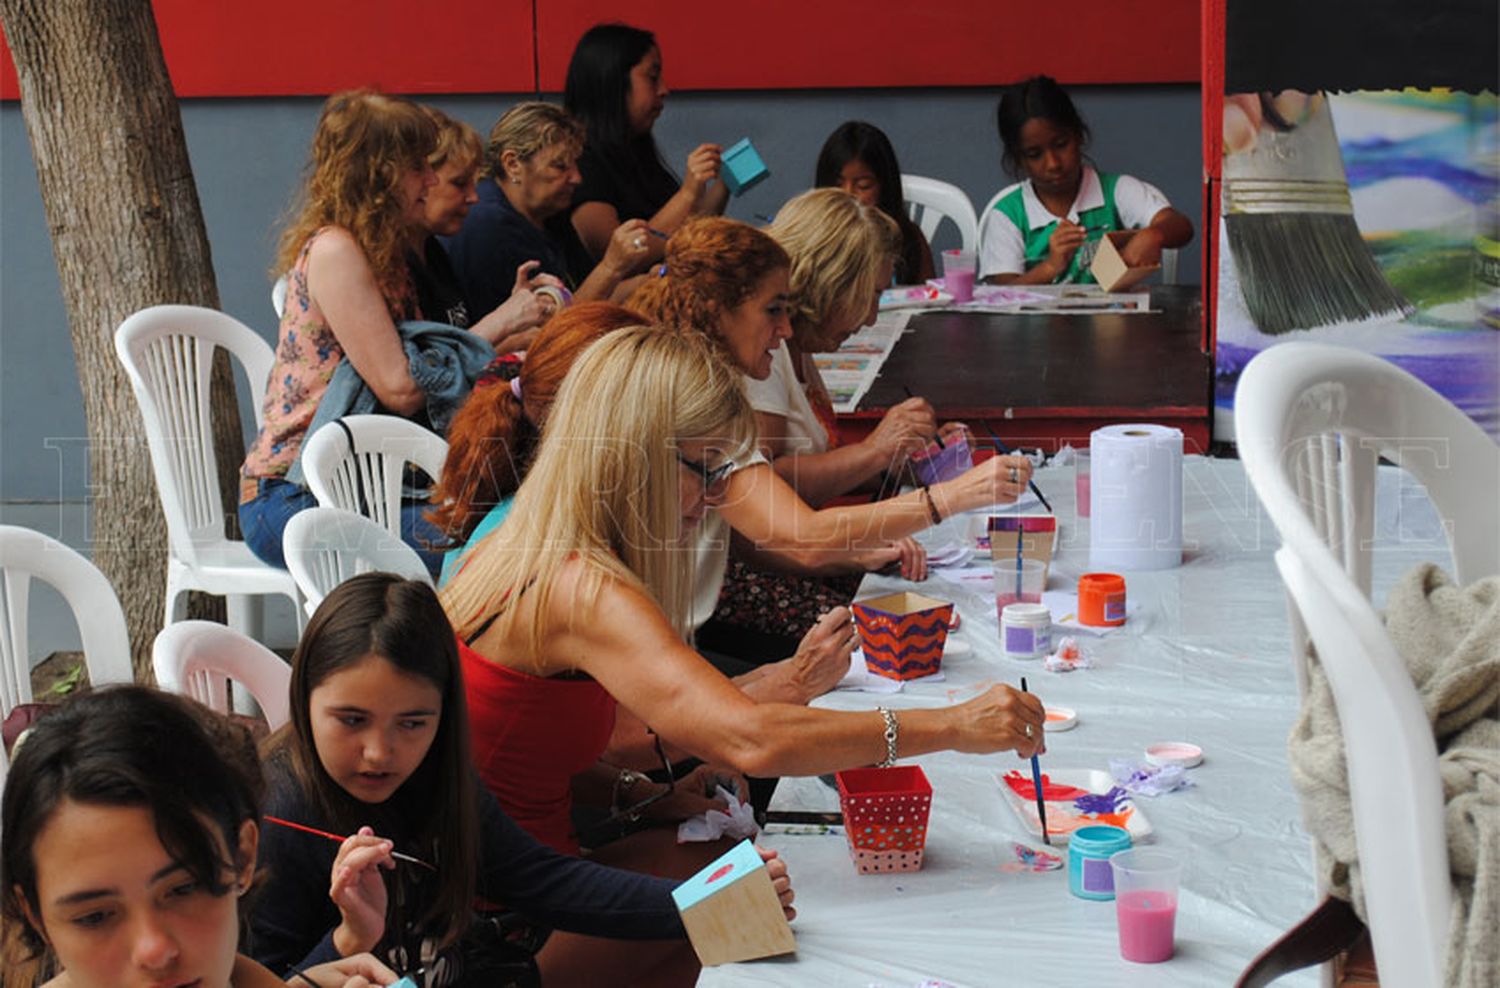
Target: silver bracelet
891	733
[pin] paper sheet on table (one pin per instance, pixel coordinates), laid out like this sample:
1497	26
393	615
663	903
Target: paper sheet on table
849	371
859	677
1064	607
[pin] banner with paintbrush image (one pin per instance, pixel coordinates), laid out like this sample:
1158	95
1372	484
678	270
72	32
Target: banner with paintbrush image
1352	209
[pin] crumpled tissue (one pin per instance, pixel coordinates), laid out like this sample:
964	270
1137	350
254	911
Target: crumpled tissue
1067	657
738	821
1148	780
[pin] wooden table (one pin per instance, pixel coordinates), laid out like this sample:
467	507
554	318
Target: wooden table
1045	379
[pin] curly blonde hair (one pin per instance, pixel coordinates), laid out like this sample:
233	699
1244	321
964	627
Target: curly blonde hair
364	143
712	265
837	245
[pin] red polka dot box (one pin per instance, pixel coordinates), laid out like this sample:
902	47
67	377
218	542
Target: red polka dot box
885	817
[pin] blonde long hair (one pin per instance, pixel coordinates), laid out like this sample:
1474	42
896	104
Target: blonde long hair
837	244
603	488
365	141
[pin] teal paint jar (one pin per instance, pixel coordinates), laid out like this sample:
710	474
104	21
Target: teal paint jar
1089	875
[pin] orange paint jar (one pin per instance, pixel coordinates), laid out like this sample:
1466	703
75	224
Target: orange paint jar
1101	599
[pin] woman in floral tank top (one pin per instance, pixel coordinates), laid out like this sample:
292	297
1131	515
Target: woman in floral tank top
346	256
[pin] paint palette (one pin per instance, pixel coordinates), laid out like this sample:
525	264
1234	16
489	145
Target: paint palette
1075	798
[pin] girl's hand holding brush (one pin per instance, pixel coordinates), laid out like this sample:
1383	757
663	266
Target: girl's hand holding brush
358	889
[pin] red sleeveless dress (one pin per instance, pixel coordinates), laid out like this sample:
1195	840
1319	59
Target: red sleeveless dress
531	735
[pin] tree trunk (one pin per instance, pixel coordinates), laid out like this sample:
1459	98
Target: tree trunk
127	232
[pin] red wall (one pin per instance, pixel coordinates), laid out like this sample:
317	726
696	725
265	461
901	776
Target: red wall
314	47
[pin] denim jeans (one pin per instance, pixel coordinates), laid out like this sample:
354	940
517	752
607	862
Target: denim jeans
263	518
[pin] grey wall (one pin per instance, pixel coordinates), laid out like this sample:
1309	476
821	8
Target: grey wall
247	155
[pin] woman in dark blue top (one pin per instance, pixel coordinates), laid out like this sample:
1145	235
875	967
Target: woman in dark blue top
524	194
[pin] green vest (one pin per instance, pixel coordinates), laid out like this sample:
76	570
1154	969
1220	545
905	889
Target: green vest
1097	221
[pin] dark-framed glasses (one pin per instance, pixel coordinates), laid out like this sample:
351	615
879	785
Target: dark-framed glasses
711	476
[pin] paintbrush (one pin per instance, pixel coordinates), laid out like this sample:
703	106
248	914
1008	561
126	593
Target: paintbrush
323	833
1036	778
1298	253
937	438
999	445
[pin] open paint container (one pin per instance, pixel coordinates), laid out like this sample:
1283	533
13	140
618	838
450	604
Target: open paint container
1174	753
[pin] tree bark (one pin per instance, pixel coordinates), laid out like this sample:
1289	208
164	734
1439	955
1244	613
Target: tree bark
127	232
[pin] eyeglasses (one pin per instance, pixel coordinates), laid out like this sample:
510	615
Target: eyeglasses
711	476
630	814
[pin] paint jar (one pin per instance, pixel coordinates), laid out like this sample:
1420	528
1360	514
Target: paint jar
1089	873
1101	599
1026	631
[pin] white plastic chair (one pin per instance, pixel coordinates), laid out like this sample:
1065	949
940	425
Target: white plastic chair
200	659
1168	254
168	353
357	463
326	546
278	296
1311	421
26	555
929	200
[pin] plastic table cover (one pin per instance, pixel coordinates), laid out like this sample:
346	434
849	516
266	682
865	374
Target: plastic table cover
1204	658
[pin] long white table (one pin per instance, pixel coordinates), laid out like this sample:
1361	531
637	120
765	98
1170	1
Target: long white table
1204	658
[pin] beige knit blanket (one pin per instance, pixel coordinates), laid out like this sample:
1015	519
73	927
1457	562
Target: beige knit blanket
1450	639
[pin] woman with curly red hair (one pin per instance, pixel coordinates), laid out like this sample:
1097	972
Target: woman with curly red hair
731	282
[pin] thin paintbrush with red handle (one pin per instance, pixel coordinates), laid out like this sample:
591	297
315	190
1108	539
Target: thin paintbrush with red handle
323	833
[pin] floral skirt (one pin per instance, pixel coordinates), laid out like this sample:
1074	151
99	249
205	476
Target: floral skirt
780	604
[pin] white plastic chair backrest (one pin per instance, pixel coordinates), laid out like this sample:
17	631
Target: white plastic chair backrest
1311	421
928	200
26	555
278	296
200	658
326	546
357	463
168	353
1169	255
988	211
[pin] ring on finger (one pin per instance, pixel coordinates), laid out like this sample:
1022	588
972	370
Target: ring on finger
1030	731
1015	475
638	243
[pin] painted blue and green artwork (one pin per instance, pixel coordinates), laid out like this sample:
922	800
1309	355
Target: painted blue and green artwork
1423	171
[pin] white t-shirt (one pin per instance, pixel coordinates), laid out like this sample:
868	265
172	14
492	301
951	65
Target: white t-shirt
1002	247
782	394
712	556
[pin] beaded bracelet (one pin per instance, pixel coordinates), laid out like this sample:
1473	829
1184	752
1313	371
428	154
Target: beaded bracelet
932	511
891	733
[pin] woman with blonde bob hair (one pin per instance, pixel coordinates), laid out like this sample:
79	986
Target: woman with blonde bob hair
350	291
583	598
709	289
842	255
521	213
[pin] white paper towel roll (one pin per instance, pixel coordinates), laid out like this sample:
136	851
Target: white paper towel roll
1135	498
